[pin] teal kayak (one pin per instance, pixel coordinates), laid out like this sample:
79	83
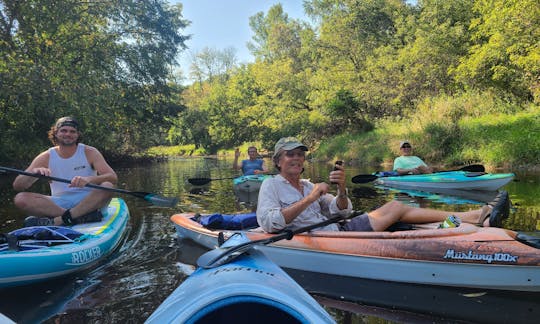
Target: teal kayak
247	288
246	188
461	180
40	253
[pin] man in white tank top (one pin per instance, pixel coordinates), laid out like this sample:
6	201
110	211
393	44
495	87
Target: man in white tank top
71	203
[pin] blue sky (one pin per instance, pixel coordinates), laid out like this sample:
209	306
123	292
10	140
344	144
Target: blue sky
220	24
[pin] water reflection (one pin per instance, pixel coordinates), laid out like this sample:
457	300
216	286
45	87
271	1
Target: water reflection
152	263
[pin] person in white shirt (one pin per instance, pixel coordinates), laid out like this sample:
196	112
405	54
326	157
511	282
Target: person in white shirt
287	201
408	163
71	203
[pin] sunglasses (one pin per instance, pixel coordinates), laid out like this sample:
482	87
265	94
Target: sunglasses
295	153
406	146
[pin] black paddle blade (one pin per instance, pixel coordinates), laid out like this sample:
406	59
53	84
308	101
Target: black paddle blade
221	256
364	178
199	181
473	168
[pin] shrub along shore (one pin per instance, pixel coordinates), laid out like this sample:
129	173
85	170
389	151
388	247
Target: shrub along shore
445	133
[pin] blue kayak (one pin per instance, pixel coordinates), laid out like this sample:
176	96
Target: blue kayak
247	288
41	253
461	180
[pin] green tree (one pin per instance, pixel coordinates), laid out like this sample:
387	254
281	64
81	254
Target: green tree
436	39
505	54
106	62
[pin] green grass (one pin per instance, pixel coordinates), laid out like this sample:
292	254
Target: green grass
177	150
473	128
447	130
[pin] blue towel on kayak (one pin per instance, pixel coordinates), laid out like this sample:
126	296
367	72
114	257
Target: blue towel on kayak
229	222
387	173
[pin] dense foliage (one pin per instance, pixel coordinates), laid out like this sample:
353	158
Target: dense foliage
358	71
105	62
359	63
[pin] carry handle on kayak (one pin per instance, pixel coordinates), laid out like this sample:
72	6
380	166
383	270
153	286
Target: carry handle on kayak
365	178
151	197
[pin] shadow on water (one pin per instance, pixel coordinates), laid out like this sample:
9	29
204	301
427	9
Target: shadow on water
152	262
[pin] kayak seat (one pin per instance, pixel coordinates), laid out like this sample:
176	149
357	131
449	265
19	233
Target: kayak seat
228	222
530	240
399	226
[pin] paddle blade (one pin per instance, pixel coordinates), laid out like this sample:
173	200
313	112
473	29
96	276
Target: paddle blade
161	201
473	168
199	181
363	178
155	199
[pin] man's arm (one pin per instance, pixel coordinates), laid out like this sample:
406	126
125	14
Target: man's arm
39	165
264	169
236	156
103	169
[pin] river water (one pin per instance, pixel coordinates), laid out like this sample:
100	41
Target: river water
152	262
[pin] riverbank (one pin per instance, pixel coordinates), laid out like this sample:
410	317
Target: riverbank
445	132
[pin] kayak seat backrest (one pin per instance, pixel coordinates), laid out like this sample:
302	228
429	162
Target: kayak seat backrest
228	222
530	240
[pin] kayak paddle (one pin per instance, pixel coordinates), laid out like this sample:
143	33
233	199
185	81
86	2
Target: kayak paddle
203	181
153	198
365	178
218	257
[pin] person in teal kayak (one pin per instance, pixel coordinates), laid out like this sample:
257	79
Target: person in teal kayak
288	202
251	166
71	203
408	163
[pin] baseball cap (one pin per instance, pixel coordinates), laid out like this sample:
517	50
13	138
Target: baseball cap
67	121
404	142
287	144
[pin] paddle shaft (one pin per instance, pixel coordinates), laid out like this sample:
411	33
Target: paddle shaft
41	176
153	198
235	251
203	181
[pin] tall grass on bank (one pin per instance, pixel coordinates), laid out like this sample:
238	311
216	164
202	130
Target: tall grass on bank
470	128
177	150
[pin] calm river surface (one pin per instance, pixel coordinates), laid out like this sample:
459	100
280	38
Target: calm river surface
151	262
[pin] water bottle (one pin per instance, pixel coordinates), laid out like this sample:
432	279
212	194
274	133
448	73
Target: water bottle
450	222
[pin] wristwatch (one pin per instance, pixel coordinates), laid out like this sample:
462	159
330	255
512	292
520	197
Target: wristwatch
342	194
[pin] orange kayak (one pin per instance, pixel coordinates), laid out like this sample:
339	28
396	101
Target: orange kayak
466	256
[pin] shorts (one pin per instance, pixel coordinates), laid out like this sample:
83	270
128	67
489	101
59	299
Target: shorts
71	199
359	223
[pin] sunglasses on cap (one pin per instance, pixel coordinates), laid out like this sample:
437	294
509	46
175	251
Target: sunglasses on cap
406	146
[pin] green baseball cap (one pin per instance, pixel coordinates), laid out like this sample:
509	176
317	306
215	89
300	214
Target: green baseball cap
287	144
